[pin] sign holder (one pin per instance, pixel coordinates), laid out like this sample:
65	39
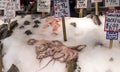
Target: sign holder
110	44
81	12
9	20
64	29
43	14
96	9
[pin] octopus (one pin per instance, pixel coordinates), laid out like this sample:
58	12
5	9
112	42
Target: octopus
52	21
55	49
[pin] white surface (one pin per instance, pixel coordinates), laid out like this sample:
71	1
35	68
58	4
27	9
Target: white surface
94	58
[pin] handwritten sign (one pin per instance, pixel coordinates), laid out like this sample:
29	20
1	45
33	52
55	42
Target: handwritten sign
17	4
96	1
112	35
61	8
81	3
3	3
112	3
112	20
43	6
9	11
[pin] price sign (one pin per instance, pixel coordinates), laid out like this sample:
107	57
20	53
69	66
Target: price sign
112	20
3	3
112	35
17	4
112	3
81	3
43	6
61	8
96	1
9	11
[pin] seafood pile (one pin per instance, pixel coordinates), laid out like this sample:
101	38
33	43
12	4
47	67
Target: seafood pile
55	49
54	22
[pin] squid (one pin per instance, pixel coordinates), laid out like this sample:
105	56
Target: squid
55	49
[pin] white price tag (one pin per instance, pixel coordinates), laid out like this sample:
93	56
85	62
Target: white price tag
96	1
3	3
61	8
81	3
43	6
9	11
112	20
17	4
112	3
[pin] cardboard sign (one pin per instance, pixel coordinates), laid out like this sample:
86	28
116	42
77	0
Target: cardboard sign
112	20
112	35
81	3
111	3
17	4
43	6
9	11
61	8
96	1
3	3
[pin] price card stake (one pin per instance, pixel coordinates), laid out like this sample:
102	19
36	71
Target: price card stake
96	8
111	44
81	12
64	29
9	24
43	14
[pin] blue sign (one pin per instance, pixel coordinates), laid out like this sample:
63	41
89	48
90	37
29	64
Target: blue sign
112	35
